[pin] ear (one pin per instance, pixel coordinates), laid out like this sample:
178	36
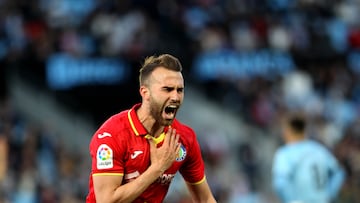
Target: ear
144	92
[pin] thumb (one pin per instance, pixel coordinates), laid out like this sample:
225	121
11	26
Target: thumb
152	144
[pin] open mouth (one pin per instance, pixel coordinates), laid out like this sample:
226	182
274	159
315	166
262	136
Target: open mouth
170	111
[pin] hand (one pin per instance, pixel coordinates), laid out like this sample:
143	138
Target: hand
165	155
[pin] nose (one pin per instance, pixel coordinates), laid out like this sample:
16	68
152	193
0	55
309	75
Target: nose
175	96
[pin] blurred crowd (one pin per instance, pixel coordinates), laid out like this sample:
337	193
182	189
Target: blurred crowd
35	165
321	37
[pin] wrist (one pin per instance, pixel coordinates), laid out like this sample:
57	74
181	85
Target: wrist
156	169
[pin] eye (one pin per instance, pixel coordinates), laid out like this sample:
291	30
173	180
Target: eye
168	89
180	90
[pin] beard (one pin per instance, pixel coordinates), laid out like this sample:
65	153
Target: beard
156	111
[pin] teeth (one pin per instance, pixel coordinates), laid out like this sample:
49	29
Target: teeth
170	109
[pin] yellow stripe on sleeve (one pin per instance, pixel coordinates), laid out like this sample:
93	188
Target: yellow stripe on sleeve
199	182
108	174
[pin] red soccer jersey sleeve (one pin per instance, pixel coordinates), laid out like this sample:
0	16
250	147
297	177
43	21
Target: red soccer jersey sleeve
106	149
193	170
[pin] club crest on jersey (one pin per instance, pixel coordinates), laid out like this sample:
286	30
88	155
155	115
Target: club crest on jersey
104	157
182	154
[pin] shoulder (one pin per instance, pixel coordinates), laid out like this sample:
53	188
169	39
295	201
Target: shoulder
284	153
110	130
118	120
115	125
280	152
322	149
284	149
187	134
315	145
183	128
281	161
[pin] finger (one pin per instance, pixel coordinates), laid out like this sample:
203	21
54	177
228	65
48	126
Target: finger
178	149
178	146
177	143
177	138
167	138
173	139
170	135
152	144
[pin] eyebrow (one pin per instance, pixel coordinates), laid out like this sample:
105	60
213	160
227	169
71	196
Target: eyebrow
171	88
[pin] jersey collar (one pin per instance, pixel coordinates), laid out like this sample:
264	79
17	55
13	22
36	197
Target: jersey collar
138	127
135	123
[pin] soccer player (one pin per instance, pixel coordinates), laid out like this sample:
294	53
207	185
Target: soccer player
137	152
304	171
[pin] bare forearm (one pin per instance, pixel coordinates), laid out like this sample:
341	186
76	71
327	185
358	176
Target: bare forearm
207	200
201	193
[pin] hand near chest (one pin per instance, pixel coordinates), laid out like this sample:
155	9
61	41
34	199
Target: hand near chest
164	156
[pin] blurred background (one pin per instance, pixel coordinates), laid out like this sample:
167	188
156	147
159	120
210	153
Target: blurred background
67	65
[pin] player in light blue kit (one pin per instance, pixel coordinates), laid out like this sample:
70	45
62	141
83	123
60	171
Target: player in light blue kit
304	171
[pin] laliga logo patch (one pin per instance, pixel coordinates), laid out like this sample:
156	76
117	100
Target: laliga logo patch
104	157
182	154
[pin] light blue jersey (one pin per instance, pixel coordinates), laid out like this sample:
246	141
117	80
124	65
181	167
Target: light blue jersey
306	172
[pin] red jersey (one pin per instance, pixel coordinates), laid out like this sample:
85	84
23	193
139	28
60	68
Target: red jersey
120	148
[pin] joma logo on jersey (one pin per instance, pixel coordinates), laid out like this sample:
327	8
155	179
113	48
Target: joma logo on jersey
165	179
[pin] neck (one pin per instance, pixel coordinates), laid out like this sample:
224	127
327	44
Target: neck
294	138
150	124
